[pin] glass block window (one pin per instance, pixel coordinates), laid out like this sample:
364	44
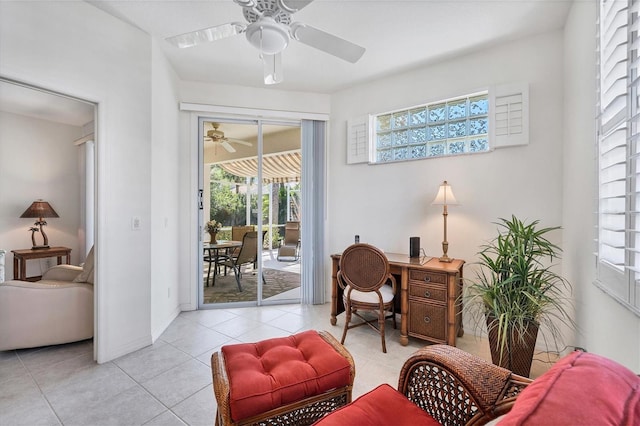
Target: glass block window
451	127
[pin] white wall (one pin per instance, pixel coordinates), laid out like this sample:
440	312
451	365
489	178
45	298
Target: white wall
165	208
386	204
605	327
79	50
38	160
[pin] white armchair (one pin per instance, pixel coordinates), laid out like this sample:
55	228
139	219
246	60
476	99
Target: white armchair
57	309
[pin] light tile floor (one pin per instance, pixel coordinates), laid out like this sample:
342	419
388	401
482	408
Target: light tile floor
169	382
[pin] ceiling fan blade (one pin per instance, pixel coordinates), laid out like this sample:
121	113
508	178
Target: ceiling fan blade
228	146
239	142
206	35
272	68
326	42
293	6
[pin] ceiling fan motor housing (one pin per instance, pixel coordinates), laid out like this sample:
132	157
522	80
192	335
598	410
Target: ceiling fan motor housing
268	36
268	25
257	9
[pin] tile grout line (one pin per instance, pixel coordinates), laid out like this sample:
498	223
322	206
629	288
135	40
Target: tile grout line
42	394
147	391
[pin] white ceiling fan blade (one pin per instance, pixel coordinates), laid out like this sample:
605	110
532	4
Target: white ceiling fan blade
228	146
239	142
293	6
206	35
326	42
272	68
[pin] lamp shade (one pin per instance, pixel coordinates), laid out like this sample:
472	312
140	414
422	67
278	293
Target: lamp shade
39	209
445	196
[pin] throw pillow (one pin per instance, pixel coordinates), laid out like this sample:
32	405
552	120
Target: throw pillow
580	389
86	276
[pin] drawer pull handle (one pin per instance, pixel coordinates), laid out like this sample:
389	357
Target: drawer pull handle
427	279
427	320
427	294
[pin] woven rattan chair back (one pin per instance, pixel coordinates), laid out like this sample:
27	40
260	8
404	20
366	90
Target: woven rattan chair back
365	269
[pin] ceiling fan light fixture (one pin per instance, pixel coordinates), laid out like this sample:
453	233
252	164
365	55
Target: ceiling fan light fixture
268	36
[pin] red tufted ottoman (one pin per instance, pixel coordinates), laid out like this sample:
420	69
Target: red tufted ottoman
288	380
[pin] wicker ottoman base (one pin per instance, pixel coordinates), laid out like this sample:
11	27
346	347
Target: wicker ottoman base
303	412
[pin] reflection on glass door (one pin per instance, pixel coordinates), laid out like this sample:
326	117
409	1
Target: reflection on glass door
250	202
281	175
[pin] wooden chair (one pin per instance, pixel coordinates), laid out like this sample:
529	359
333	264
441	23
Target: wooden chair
364	271
290	245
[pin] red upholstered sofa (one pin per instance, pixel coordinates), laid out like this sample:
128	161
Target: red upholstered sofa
444	385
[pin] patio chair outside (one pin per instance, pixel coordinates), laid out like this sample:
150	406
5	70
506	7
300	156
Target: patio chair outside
248	254
290	245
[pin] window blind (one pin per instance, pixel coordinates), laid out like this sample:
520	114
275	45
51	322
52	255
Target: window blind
618	244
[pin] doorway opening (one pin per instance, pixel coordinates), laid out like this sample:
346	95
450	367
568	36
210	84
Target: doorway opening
47	142
251	212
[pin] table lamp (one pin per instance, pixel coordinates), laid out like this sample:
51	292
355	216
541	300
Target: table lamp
39	209
445	198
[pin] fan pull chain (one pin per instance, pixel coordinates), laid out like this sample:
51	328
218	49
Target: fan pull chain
261	52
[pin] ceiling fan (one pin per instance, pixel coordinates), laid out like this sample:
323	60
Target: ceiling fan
217	137
269	29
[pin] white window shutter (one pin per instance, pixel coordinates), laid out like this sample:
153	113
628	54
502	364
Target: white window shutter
358	140
509	121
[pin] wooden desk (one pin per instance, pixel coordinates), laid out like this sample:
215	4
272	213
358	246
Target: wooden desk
430	290
20	258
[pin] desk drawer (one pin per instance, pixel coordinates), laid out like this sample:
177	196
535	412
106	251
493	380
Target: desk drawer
427	321
428	292
427	277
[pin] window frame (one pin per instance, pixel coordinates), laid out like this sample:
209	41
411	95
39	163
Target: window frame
618	152
467	138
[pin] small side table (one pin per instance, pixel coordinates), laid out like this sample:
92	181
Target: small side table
20	258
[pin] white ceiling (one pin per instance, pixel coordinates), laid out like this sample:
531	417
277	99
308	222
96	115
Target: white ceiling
398	35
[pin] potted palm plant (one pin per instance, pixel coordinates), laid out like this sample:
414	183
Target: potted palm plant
517	291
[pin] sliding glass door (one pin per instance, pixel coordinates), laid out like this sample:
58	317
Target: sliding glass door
251	174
